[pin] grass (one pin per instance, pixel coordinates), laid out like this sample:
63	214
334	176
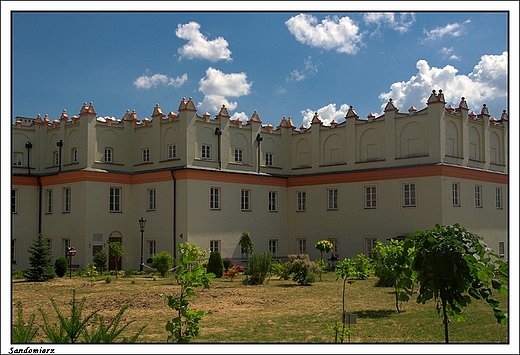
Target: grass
276	312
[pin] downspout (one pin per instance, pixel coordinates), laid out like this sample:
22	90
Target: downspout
174	218
39	204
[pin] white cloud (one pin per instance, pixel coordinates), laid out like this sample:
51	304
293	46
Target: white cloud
397	22
199	46
452	29
309	68
340	34
217	86
326	114
487	83
148	82
449	53
241	115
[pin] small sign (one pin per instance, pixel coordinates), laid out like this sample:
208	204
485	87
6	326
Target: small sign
349	318
71	251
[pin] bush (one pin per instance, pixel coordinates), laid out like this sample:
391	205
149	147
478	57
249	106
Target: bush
61	266
281	269
215	264
108	279
364	266
100	259
259	268
129	272
228	264
303	270
162	262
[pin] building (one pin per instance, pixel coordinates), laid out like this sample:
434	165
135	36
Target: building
84	181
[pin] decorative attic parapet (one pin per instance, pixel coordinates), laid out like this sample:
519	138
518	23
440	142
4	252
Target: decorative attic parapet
286	123
412	110
87	110
157	112
187	105
463	105
351	113
171	116
504	117
316	119
390	106
484	113
254	118
223	113
64	116
130	116
436	98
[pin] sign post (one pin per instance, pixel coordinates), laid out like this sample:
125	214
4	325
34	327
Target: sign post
71	251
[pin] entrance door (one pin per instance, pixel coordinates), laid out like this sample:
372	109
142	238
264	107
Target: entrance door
112	262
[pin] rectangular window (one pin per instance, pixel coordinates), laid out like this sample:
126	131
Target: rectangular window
478	196
244	200
172	151
17	159
145	155
206	151
370	197
214	245
301	246
273	201
56	159
239	155
370	243
455	194
498	197
107	158
409	195
332	199
335	246
48	201
13	250
65	245
74	155
214	198
152	244
14	201
501	249
301	201
96	249
115	199
269	159
273	247
66	199
151	200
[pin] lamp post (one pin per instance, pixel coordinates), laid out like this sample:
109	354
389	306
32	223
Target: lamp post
59	144
218	133
259	138
71	251
28	145
142	222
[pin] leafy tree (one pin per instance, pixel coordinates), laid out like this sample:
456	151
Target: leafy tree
116	250
100	259
324	246
188	275
193	251
60	266
40	259
162	262
453	266
215	264
92	272
246	242
347	270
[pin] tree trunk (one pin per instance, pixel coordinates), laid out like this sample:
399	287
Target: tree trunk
445	320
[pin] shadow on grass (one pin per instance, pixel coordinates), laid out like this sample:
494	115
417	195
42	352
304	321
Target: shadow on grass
375	314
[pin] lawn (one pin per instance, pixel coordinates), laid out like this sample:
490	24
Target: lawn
279	311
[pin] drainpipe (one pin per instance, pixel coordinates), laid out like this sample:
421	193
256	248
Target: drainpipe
39	205
174	218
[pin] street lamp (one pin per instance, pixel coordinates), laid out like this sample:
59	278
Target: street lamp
28	145
258	139
142	222
218	133
59	144
71	251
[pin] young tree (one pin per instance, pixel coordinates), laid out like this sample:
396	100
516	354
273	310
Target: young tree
345	269
100	259
40	259
452	264
215	264
116	250
162	262
246	242
324	246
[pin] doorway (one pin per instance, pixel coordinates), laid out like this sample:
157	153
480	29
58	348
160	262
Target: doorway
113	263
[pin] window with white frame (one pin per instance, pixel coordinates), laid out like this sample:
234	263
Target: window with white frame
370	243
145	155
14	201
273	247
245	196
332	199
335	246
455	194
172	151
152	245
66	199
108	155
301	201
214	245
501	249
74	155
269	159
409	197
65	244
301	246
214	198
273	201
239	155
48	201
115	199
370	197
151	193
17	159
13	250
498	198
478	196
56	159
206	151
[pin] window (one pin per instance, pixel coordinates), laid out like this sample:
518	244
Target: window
243	253
107	158
370	197
206	151
244	200
48	201
269	159
145	155
455	187
370	243
332	199
498	197
74	155
151	200
115	199
152	245
56	159
300	201
49	242
409	195
66	199
13	250
214	245
273	201
17	159
301	246
14	201
214	198
239	155
501	249
65	244
172	151
96	249
335	246
478	196
273	247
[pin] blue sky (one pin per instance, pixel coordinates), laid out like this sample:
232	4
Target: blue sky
278	63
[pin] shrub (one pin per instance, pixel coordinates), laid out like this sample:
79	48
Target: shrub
233	271
100	259
259	268
129	272
228	264
19	274
364	266
281	269
108	279
162	262
303	270
60	266
215	264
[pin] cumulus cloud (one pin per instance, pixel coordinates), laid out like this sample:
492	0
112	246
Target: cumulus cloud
217	87
199	46
487	83
309	69
340	34
152	81
326	113
452	30
398	22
